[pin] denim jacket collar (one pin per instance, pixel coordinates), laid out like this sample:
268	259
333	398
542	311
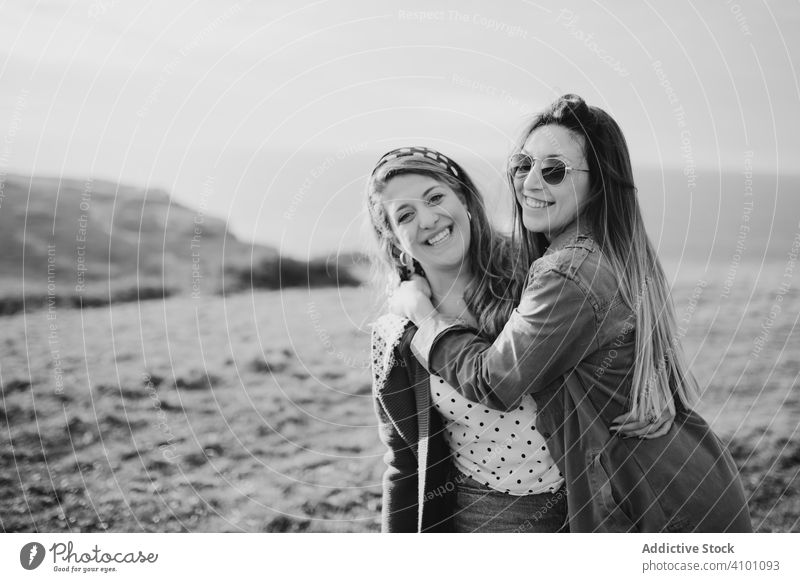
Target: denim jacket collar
574	232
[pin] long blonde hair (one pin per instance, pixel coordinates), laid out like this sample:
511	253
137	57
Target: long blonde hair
498	270
660	372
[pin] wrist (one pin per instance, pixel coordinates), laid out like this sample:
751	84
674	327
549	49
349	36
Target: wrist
424	313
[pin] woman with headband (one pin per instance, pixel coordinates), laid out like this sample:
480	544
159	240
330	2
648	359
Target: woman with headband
453	464
593	336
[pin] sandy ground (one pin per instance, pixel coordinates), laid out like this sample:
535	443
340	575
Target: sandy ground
253	412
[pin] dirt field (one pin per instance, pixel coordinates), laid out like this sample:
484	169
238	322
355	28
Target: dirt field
253	412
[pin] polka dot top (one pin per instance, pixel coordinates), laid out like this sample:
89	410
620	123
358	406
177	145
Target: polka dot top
502	450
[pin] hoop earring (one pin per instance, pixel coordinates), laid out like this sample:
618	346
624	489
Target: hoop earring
469	215
405	260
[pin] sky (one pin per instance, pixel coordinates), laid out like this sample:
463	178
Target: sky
270	114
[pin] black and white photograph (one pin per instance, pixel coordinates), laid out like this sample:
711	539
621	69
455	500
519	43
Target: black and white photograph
376	267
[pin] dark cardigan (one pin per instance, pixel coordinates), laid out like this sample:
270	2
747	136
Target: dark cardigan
417	491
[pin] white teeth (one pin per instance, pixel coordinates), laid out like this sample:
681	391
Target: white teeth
533	203
441	237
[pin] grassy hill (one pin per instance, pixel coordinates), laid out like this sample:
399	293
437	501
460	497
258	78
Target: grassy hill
95	242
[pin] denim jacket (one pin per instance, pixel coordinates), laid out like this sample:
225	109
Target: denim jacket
570	344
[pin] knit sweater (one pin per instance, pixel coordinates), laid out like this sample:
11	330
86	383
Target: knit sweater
417	496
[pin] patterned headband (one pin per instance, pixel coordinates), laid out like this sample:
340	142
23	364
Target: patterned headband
420	152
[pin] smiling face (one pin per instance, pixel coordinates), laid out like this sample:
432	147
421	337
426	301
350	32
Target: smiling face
429	220
548	208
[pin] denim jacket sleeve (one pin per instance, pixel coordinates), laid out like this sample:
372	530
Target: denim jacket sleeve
553	328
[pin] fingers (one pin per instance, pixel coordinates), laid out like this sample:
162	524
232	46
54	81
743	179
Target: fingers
630	426
411	299
396	308
624	418
420	284
626	423
643	430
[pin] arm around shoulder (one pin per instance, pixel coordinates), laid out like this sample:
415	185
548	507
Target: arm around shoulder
552	329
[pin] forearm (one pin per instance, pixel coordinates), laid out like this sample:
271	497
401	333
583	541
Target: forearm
479	370
552	329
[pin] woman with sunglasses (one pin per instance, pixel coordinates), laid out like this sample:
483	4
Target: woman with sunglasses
453	464
593	336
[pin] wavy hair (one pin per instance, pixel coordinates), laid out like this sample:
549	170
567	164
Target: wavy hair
498	278
612	212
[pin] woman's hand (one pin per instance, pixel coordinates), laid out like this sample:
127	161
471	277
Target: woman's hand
627	426
412	299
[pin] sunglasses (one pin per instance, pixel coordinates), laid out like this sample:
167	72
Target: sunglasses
553	170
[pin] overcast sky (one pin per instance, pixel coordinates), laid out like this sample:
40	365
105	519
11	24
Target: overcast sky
282	106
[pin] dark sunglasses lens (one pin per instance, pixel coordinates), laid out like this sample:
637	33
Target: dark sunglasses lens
553	171
519	165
